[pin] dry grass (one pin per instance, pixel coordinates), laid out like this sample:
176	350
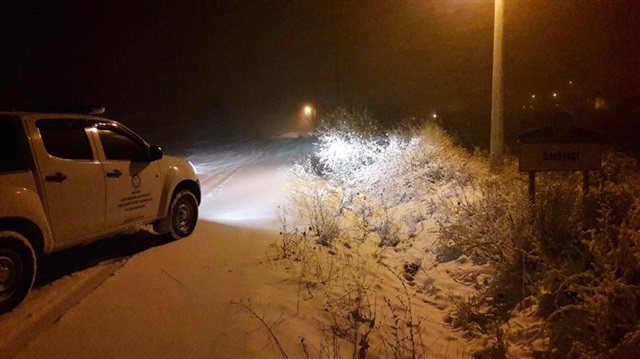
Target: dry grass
576	256
571	261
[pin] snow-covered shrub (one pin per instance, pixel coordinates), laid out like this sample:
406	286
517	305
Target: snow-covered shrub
435	156
572	259
593	296
391	167
387	229
489	220
321	209
352	313
349	144
375	170
292	241
318	205
577	256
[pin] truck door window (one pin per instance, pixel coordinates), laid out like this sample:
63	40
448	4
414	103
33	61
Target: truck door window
118	146
65	139
14	149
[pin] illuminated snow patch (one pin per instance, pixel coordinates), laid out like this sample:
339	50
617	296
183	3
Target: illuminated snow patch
249	198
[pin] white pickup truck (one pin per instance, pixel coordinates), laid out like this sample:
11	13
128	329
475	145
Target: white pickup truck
68	179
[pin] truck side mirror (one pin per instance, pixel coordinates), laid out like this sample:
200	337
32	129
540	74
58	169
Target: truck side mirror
155	153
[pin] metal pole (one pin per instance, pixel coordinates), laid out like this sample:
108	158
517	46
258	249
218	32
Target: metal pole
585	182
532	187
496	146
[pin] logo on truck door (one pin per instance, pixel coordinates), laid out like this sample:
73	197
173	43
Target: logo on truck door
136	181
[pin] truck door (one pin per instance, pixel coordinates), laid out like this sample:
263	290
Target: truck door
133	181
72	177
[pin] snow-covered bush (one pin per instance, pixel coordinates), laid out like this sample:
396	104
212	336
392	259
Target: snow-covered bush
576	256
360	172
570	259
317	204
591	298
350	144
392	167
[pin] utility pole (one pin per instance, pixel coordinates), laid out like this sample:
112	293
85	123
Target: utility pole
496	145
337	73
340	33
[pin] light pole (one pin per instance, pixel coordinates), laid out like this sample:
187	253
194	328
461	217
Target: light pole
309	113
496	145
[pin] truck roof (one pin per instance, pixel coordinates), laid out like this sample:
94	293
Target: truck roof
55	109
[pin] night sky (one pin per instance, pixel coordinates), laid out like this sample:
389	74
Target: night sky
234	66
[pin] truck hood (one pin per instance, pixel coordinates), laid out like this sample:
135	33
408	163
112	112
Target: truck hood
178	165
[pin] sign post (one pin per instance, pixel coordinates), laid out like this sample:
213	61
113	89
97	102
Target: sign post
559	147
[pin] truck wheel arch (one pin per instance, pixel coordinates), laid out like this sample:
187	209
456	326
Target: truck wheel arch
170	193
28	229
190	185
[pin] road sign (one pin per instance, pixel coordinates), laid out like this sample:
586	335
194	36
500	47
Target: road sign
539	157
560	147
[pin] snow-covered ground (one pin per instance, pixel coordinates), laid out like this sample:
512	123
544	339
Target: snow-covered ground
176	299
172	300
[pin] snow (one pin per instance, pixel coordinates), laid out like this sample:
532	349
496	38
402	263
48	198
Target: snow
247	199
176	300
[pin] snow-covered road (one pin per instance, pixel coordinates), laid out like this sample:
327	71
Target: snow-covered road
173	299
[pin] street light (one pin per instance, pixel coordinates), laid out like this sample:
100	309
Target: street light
496	145
308	110
309	117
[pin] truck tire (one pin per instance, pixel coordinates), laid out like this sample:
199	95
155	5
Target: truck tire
17	269
183	214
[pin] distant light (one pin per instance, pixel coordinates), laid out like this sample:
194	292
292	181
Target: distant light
533	96
308	110
434	115
555	94
570	82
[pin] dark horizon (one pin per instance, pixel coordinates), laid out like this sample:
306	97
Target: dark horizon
252	65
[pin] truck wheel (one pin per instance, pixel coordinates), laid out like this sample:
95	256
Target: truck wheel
183	214
17	269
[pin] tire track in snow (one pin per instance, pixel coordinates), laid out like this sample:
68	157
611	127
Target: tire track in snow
46	306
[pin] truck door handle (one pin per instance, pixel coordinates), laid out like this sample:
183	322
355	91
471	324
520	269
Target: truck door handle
57	177
114	174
